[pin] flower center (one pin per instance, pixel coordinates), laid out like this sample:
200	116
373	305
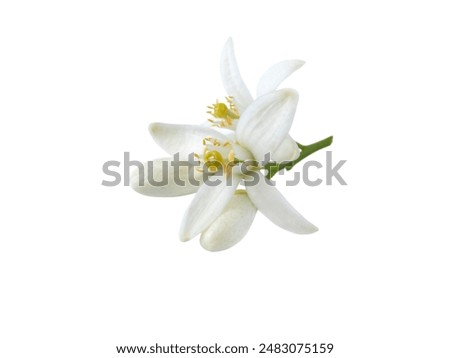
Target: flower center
217	155
224	113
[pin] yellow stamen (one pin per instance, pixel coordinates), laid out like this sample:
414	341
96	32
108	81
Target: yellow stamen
231	156
224	113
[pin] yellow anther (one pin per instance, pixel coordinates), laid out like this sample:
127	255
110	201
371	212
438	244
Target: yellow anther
231	156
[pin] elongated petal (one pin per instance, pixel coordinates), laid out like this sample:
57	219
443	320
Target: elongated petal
231	78
276	74
276	208
288	150
232	225
182	138
209	202
266	122
163	181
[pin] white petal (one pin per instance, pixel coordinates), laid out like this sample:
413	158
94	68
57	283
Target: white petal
208	204
242	153
288	150
231	78
182	138
171	185
266	122
276	208
276	74
232	225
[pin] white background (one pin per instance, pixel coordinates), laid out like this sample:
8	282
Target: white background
86	267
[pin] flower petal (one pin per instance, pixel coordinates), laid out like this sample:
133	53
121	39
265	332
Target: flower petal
287	151
187	181
232	225
266	122
276	208
182	138
232	80
276	74
209	202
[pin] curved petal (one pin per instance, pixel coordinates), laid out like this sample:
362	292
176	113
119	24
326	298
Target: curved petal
266	122
276	208
182	138
163	181
232	225
287	151
209	202
231	78
276	74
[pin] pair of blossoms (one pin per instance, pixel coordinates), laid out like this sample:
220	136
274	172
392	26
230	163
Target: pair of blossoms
243	129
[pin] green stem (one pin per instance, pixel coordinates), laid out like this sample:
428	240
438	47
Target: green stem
306	150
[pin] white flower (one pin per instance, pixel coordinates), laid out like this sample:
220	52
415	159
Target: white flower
242	98
248	130
218	212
